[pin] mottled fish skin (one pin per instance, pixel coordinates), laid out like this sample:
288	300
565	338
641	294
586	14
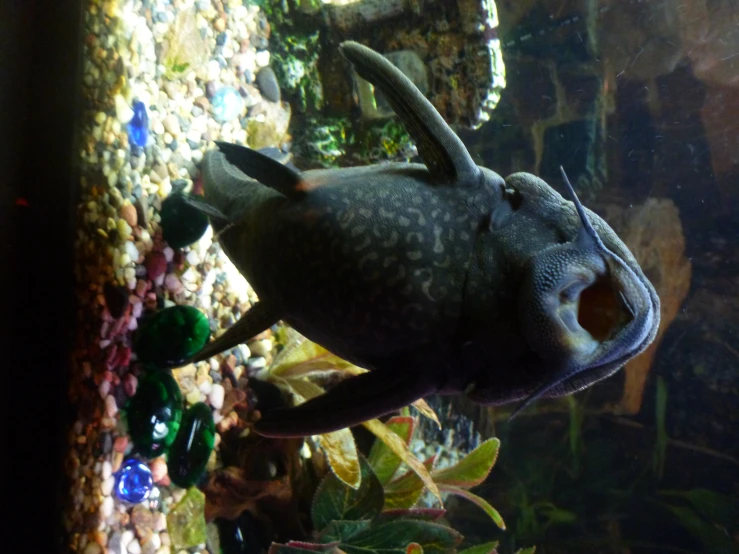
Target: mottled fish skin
439	277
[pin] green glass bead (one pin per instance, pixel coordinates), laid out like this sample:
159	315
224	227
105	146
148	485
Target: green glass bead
191	449
171	336
154	414
186	521
181	224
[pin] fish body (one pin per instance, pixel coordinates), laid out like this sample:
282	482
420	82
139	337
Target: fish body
439	277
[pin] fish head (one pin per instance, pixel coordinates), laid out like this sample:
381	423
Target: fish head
584	306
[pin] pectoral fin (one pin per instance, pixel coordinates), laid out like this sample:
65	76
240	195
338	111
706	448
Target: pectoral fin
440	148
264	169
259	317
352	401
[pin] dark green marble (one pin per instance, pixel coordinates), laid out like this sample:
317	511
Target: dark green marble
154	414
241	536
191	449
181	223
171	336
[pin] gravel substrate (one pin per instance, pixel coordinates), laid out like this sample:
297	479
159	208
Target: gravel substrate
123	265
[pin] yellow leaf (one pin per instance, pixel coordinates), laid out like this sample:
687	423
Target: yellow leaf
401	450
341	452
423	407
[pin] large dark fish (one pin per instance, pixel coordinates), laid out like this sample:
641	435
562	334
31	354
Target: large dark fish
439	277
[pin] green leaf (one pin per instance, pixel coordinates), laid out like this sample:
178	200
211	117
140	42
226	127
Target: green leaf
471	470
383	460
334	500
403	452
484	548
715	507
343	531
432	537
713	539
425	514
414	548
404	492
482	503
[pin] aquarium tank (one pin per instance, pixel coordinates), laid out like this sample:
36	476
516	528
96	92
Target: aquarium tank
371	276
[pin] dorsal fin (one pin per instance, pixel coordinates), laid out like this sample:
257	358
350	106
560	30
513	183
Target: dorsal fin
264	169
440	148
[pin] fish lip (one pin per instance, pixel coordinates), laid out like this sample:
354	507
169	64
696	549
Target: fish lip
644	323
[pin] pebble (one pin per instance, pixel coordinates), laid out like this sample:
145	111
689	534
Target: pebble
104	389
173	283
106	508
106	487
92	548
168	254
106	470
126	537
262	58
130	383
261	347
110	406
134	547
158	467
216	396
129	215
123	111
267	83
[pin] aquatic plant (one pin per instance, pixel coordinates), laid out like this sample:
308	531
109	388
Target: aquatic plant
390	454
322	140
356	520
660	446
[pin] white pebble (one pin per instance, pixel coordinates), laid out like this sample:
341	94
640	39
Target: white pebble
111	408
107	470
262	58
193	258
216	396
132	324
107	507
168	254
261	347
165	187
132	251
173	283
129	274
206	387
245	352
126	538
137	310
104	389
106	488
155	541
163	550
134	547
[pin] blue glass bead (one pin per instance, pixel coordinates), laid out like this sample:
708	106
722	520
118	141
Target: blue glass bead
227	104
133	481
138	127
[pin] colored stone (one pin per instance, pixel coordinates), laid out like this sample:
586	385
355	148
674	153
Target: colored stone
181	224
227	104
133	481
241	536
191	449
171	336
186	521
154	414
138	127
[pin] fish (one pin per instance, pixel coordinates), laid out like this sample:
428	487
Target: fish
439	277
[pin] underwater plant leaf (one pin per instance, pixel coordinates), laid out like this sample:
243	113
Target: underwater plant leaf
425	410
384	461
425	514
481	502
484	548
432	537
414	548
471	470
660	446
334	500
401	450
297	547
341	453
715	507
555	514
343	531
715	540
404	492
